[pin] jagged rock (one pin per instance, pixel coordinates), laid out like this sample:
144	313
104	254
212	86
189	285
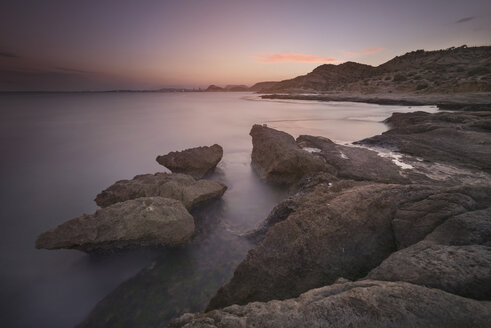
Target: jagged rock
147	221
278	159
196	162
352	304
458	138
354	162
343	230
471	228
460	270
177	186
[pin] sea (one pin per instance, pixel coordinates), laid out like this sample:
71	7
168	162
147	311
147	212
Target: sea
59	150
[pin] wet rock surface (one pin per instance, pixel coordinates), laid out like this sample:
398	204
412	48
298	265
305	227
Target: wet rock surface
460	270
197	162
354	162
177	186
352	304
147	221
458	138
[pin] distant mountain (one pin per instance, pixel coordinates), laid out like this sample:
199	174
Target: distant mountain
214	88
463	69
229	88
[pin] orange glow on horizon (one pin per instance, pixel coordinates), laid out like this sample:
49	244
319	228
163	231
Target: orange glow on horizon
293	57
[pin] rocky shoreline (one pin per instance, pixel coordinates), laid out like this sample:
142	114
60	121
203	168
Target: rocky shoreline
365	242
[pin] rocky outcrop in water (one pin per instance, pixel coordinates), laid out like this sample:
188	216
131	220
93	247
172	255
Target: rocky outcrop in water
177	186
147	221
278	159
197	162
459	138
352	304
348	162
343	230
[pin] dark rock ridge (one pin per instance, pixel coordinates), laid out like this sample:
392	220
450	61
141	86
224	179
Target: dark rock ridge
278	159
355	163
343	230
352	304
450	71
147	221
458	138
461	270
197	162
177	186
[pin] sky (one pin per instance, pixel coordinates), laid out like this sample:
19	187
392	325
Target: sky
100	45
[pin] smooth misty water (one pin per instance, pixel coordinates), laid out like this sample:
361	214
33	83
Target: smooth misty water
60	150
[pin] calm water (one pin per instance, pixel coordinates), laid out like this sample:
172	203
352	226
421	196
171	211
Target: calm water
60	150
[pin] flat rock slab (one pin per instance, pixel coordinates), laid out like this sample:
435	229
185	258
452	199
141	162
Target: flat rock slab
458	138
177	186
197	162
460	270
352	304
278	159
355	162
147	221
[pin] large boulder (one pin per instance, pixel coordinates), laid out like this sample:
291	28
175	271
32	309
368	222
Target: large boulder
278	159
460	270
177	186
343	230
352	304
197	162
458	138
470	228
147	221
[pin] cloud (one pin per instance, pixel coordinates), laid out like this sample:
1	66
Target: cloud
293	57
465	19
72	70
8	54
368	51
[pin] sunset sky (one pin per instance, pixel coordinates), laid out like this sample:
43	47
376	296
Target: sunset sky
97	45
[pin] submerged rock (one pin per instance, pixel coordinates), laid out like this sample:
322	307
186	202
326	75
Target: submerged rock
352	304
343	230
278	159
460	270
177	186
196	162
147	221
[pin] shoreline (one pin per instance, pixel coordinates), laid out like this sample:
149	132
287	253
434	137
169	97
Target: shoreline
465	101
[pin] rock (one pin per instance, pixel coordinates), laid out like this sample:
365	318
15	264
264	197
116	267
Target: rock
460	270
343	230
177	186
147	221
471	228
458	138
353	304
414	220
278	159
355	162
197	162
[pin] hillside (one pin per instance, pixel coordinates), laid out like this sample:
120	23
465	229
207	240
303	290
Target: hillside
454	70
